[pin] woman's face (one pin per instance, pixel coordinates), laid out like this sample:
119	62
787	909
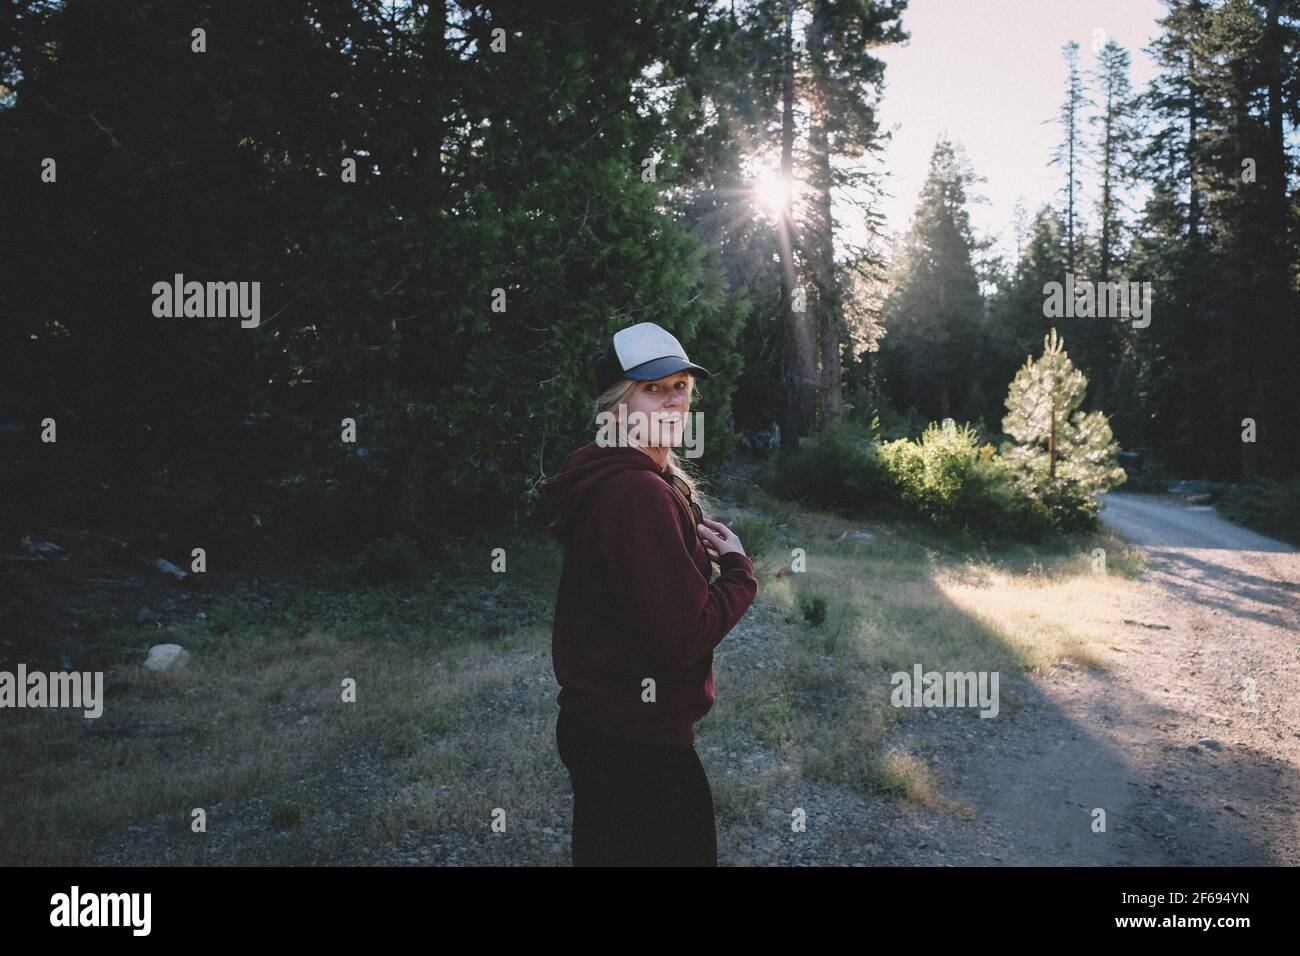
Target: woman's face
666	401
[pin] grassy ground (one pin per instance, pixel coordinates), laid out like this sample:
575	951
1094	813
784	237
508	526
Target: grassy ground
903	597
452	726
1269	506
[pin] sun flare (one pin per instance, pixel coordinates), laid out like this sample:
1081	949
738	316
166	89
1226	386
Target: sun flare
769	192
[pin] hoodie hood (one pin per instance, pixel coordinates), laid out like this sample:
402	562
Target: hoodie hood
583	470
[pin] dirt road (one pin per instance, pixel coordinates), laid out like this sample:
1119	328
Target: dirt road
1165	523
1189	741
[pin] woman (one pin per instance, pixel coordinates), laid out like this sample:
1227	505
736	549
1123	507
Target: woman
636	618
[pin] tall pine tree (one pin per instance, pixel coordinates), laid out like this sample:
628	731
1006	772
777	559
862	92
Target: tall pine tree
934	311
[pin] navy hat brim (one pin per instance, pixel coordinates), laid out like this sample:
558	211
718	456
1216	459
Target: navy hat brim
659	368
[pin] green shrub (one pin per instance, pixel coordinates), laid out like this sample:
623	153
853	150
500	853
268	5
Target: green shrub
813	607
756	534
394	558
1068	508
933	474
837	469
1152	478
948	477
993	502
891	424
1269	506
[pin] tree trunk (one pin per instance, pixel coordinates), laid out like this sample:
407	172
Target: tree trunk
435	57
820	241
1051	447
799	375
407	497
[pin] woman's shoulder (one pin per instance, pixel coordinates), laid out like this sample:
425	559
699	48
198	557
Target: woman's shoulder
635	481
640	487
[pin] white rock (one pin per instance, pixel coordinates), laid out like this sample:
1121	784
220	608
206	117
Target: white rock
166	567
165	657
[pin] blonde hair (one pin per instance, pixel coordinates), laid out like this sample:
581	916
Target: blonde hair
619	394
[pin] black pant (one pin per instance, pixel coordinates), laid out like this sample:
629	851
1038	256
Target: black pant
636	804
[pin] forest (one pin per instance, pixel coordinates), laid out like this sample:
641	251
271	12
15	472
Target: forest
442	249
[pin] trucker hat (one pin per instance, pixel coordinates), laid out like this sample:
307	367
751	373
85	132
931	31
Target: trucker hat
643	352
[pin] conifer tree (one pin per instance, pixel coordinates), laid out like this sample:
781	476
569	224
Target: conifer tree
1070	152
934	310
1060	447
1115	146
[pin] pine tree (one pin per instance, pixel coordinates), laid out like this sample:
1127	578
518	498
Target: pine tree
845	79
1015	313
1218	238
934	312
1070	152
1060	447
1115	147
814	104
1187	374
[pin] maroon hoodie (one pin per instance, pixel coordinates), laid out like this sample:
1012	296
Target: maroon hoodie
635	600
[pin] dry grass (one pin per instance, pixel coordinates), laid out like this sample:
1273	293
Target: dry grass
450	725
818	695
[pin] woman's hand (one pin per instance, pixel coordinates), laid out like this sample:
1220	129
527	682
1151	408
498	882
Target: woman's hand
719	539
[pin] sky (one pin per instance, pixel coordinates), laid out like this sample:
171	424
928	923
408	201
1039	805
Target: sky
988	72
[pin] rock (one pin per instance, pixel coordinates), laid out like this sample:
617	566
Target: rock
1209	743
40	547
166	657
1146	624
166	567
